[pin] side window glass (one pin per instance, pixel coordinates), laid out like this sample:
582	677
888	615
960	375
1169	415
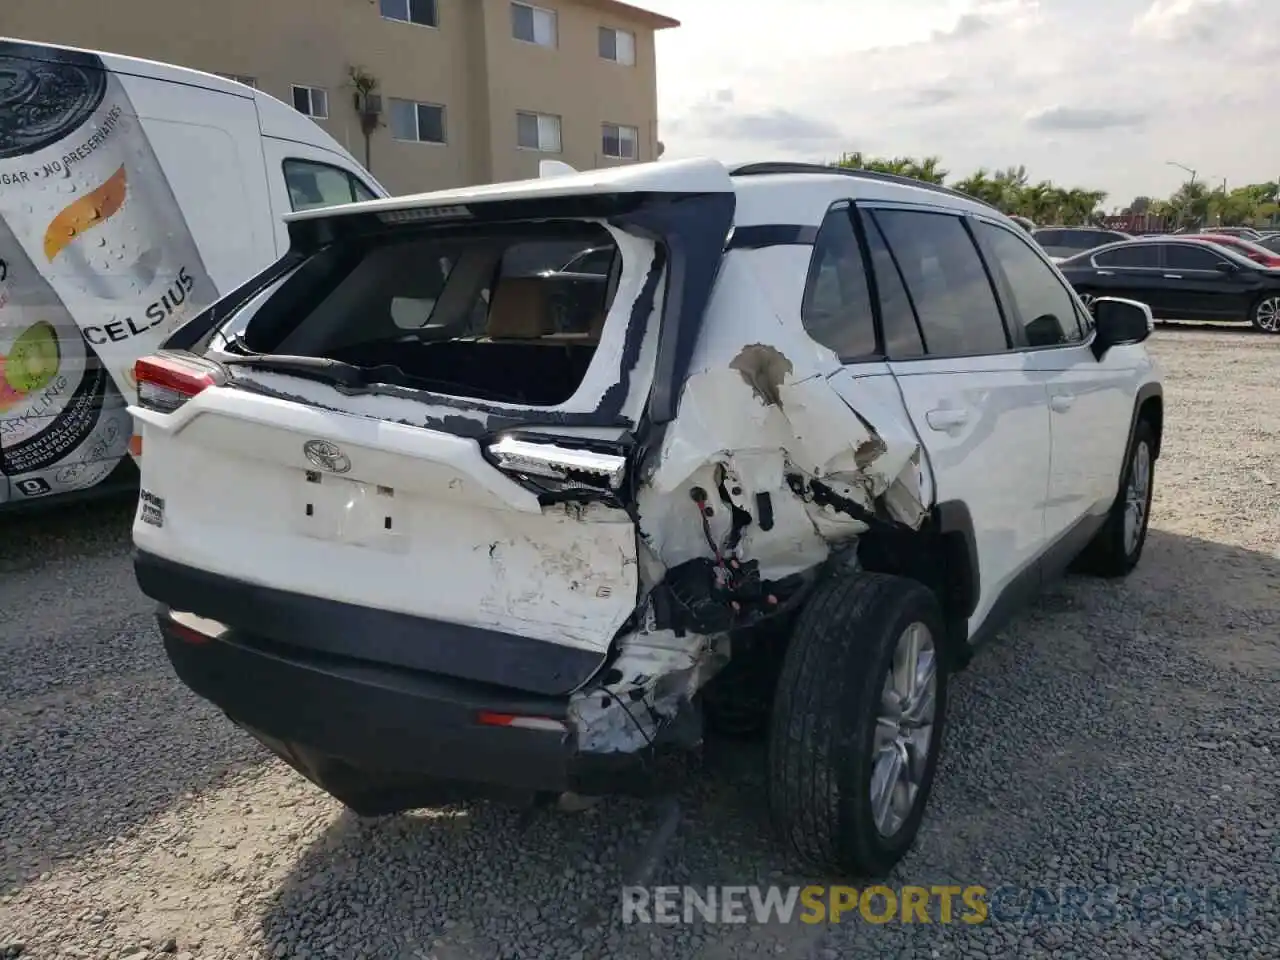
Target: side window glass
1041	303
901	331
313	184
836	309
947	281
361	192
1182	257
1144	255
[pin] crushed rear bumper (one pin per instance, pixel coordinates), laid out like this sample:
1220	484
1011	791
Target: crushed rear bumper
384	737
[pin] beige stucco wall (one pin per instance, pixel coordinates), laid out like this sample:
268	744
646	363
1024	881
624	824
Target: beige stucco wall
470	64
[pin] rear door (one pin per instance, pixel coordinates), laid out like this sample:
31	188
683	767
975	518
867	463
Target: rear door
1132	271
983	419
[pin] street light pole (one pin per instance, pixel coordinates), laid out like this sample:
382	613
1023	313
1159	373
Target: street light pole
1192	183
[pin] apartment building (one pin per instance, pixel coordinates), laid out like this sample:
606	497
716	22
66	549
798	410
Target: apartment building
430	93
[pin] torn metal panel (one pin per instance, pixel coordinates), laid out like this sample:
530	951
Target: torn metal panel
648	687
763	404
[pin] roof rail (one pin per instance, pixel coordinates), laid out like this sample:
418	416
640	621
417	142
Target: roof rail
777	167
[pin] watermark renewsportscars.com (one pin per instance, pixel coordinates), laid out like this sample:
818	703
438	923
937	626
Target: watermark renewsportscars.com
943	904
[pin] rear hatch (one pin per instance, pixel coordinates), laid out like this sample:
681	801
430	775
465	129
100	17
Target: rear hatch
416	411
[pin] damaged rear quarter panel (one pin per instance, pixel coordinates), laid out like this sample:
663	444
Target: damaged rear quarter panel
761	404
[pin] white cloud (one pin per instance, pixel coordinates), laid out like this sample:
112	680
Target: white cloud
1095	93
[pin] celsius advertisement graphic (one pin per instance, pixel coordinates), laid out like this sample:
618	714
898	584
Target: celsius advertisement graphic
97	267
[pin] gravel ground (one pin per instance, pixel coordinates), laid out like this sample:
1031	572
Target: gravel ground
1121	734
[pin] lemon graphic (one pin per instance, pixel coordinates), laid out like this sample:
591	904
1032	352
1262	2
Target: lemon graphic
33	359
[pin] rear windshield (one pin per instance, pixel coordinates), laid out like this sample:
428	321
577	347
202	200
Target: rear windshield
491	315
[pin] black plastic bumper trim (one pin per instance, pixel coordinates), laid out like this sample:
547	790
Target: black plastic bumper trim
366	634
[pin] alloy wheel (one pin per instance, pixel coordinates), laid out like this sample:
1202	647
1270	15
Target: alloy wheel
1267	315
904	729
1137	497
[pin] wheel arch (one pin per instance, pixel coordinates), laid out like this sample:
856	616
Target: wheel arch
943	555
1148	406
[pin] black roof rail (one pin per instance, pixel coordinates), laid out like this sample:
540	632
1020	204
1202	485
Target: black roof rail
777	167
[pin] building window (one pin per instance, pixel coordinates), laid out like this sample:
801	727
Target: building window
533	24
618	46
421	12
621	143
538	131
312	101
418	122
240	78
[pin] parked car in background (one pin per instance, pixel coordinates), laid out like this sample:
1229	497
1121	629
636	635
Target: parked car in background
1271	242
151	219
1062	242
1248	233
1180	279
1248	248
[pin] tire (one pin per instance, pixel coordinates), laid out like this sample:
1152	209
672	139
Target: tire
824	730
1265	313
1113	552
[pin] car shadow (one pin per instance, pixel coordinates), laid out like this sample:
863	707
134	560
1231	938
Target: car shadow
476	881
97	736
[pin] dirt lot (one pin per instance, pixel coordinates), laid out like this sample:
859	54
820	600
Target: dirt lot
1121	734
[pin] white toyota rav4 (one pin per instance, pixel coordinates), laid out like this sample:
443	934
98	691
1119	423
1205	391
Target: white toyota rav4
434	516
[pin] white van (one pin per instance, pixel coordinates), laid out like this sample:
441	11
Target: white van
133	194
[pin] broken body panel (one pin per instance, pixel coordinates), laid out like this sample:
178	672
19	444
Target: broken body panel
711	460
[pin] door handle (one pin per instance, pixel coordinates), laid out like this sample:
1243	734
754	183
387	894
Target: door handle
947	418
1106	273
1061	402
1173	276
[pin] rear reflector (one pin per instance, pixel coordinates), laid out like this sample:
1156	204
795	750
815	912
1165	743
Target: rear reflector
135	445
487	719
168	380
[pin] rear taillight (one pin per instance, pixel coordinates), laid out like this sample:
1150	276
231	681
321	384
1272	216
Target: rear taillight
168	380
563	464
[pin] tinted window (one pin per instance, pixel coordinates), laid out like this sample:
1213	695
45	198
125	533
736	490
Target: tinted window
1052	237
901	332
592	261
1042	304
1178	256
312	184
1139	255
836	309
947	282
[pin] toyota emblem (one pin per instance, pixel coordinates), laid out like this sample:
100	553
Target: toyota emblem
326	455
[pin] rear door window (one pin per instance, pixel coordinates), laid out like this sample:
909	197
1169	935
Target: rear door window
836	308
1145	255
902	340
947	282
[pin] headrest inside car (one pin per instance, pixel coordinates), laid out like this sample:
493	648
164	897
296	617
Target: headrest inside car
520	310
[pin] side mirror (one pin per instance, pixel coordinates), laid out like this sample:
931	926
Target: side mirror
1226	266
1118	322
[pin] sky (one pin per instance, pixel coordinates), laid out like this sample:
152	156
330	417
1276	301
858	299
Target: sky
1098	94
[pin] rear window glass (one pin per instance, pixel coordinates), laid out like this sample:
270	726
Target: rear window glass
488	316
